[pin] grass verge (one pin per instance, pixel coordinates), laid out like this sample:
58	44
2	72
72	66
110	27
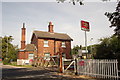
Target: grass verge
15	64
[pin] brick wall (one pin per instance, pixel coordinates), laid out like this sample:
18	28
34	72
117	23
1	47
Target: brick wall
53	47
21	54
24	54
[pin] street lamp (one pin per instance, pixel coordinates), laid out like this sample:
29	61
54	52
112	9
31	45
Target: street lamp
91	43
91	46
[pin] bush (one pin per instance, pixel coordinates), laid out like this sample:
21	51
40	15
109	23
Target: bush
6	61
14	63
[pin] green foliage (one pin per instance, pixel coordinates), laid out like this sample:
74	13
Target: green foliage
9	51
6	61
114	19
91	49
108	48
75	49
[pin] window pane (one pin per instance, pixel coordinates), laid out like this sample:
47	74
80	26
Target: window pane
31	56
47	56
63	44
46	43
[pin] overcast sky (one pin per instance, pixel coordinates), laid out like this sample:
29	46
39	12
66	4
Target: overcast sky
65	17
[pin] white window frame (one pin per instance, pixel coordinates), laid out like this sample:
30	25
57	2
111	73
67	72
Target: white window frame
64	55
63	44
31	56
46	43
46	56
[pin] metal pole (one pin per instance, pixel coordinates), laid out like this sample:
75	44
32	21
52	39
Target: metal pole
91	44
85	41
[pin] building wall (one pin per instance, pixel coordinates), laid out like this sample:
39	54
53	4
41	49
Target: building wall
66	49
53	47
24	54
21	54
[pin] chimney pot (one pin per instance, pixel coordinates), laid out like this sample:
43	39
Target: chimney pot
23	25
50	23
50	27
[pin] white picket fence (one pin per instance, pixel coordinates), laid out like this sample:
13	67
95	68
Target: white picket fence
104	68
22	61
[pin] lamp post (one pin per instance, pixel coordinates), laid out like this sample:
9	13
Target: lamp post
91	47
91	43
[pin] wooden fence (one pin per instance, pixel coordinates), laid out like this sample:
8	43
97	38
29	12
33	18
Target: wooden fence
98	68
46	61
68	64
107	69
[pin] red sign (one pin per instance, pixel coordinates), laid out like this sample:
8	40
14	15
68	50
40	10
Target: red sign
31	60
85	26
81	63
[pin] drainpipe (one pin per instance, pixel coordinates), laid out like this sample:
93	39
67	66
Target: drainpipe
54	46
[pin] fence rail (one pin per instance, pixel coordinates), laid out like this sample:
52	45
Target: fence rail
107	69
46	61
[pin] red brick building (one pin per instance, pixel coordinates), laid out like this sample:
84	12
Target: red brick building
45	44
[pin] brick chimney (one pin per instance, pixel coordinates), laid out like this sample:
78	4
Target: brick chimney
50	27
23	37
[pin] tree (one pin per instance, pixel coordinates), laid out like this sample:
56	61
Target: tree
9	51
114	18
75	49
109	48
0	47
75	1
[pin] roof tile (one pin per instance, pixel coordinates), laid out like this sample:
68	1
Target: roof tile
61	36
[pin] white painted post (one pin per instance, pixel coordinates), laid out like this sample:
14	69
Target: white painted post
63	65
112	69
100	69
109	68
104	68
117	69
75	65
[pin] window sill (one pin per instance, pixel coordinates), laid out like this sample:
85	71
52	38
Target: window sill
46	46
63	46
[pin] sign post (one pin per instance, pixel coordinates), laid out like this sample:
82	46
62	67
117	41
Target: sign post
85	41
85	27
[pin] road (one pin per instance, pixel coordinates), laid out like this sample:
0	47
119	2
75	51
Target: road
18	73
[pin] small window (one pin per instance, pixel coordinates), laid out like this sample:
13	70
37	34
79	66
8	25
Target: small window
63	44
46	43
47	56
31	56
64	55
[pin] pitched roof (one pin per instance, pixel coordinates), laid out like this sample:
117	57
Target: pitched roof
30	47
60	36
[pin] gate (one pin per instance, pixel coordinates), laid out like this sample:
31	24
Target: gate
68	64
46	61
103	68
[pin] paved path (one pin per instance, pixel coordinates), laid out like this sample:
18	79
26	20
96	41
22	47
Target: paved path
19	73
